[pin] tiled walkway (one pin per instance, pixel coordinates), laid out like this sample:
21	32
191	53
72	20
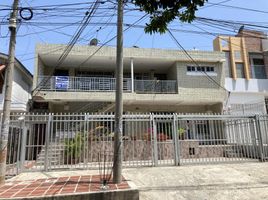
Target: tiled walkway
55	187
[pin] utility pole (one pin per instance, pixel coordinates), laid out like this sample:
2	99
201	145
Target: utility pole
8	90
117	164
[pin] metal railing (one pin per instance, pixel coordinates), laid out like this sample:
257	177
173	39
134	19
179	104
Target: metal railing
74	141
156	86
68	83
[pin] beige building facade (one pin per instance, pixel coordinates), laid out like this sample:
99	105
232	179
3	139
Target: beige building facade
246	71
155	80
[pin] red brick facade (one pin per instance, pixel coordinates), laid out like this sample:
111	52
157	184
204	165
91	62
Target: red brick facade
253	43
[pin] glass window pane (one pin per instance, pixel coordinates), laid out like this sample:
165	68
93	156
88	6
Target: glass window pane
259	72
227	65
188	68
237	55
240	70
257	61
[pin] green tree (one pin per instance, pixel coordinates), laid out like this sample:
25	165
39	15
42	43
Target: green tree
162	12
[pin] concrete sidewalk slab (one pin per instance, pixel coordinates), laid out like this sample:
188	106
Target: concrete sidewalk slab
245	181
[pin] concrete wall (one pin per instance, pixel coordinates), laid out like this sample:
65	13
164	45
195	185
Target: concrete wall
199	79
85	50
172	72
154	107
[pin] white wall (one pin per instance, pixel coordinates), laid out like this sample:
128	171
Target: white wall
246	103
247	96
243	85
21	92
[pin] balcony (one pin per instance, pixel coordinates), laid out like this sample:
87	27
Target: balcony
103	84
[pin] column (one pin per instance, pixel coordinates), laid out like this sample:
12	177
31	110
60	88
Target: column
132	75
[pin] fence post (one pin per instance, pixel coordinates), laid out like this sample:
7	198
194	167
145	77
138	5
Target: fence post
154	140
47	141
259	135
176	142
23	145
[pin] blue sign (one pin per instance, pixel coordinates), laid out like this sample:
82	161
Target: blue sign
62	82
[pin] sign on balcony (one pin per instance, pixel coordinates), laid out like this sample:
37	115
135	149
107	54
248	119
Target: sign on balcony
62	82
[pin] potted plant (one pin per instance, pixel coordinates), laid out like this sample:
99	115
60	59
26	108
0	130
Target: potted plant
162	137
181	133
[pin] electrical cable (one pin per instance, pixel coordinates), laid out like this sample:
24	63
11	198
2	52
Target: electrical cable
240	8
94	53
191	58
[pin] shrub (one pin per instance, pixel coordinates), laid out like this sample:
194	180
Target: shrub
73	148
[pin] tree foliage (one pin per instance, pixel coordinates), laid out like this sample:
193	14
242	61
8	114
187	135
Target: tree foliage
162	12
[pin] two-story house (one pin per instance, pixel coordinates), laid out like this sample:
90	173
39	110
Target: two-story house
246	71
155	80
21	87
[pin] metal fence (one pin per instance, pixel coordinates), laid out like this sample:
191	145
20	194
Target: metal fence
74	141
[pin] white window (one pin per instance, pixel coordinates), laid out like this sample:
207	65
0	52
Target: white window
201	70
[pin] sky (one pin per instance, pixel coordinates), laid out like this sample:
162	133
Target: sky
55	22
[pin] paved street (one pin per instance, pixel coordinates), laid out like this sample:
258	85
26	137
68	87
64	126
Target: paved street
202	182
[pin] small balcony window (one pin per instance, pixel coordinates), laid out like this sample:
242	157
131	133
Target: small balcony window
199	70
257	66
258	69
240	70
237	55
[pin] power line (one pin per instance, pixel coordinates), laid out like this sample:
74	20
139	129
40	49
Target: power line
191	58
240	8
74	39
215	4
229	22
78	33
94	53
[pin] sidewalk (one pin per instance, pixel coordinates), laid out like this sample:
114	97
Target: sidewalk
244	181
203	182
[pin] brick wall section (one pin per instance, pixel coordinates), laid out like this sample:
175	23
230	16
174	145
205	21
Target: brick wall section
252	40
265	56
253	44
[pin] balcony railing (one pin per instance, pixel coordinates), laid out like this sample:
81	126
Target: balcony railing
155	86
67	83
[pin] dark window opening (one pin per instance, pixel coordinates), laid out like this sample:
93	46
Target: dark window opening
191	151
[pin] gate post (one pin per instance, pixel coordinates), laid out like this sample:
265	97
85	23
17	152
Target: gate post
23	144
154	140
259	135
47	141
176	142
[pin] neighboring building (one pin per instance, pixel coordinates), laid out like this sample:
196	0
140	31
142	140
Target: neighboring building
155	80
21	88
246	71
